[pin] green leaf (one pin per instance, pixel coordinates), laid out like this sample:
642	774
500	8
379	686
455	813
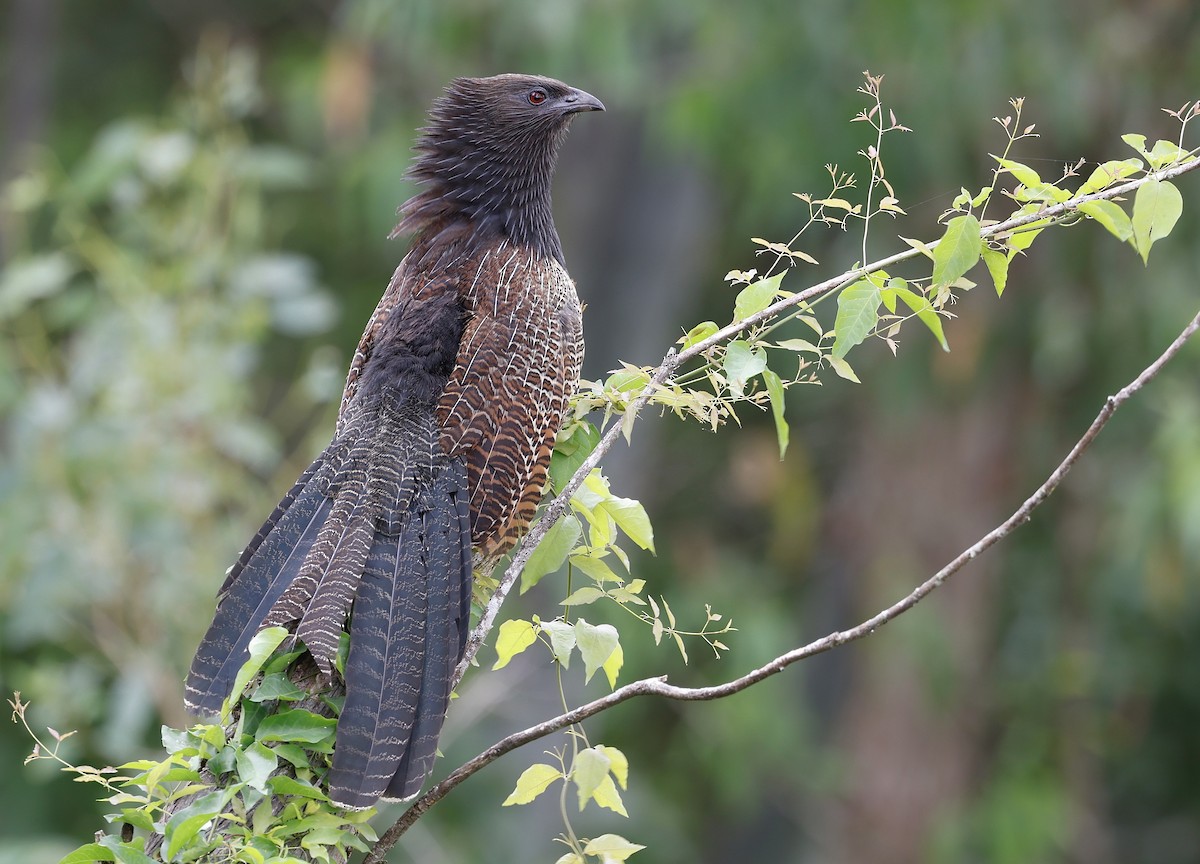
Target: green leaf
997	265
1111	216
924	310
261	647
1108	173
533	781
88	854
858	312
596	644
124	853
631	518
276	687
699	333
514	637
562	640
842	368
741	364
298	726
583	596
756	297
552	552
281	784
255	764
588	771
1156	208
775	391
1025	175
183	827
571	451
611	847
958	250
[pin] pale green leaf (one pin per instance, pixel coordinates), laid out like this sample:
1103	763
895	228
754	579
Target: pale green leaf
533	781
775	391
617	763
552	552
741	364
583	596
514	637
631	518
607	796
919	246
562	640
924	310
842	368
858	312
757	296
588	771
958	250
612	847
698	334
1156	208
595	567
1165	153
798	345
29	279
612	666
1108	173
997	265
596	644
1137	142
1025	175
1111	216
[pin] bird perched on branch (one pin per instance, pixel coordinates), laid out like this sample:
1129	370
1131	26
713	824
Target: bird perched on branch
440	453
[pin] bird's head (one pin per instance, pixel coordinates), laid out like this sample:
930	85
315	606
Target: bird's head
488	152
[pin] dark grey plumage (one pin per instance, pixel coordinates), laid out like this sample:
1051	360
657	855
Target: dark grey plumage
449	415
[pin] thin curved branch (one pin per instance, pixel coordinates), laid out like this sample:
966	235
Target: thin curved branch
660	687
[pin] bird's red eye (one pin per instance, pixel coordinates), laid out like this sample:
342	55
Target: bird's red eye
537	97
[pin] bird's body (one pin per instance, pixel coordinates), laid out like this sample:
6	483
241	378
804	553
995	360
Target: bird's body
442	444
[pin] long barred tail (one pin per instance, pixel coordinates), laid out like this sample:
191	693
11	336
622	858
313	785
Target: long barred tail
407	634
264	571
379	529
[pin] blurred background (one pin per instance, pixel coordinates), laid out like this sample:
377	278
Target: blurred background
195	204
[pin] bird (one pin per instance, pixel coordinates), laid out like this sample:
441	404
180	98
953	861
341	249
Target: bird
441	447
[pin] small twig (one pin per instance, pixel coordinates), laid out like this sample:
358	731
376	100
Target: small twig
660	687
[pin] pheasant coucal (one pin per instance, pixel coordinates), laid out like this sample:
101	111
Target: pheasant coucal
451	407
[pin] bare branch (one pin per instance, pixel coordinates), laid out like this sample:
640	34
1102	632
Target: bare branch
660	687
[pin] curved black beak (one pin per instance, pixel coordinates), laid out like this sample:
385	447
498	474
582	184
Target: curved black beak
580	100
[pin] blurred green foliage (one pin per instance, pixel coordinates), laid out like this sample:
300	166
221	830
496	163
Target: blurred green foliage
169	361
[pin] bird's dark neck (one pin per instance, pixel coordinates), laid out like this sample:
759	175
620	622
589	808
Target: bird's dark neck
496	181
